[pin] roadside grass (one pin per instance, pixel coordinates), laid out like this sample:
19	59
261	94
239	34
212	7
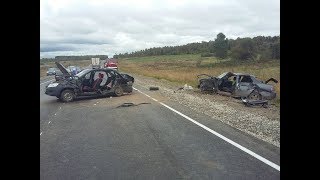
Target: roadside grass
183	69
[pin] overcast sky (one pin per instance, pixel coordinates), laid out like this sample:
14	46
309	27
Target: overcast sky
108	27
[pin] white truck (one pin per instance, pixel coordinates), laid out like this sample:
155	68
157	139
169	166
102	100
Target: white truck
95	62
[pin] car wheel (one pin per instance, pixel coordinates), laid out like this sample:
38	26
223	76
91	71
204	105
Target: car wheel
203	87
67	95
255	95
118	91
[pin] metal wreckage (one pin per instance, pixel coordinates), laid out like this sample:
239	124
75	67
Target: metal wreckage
252	91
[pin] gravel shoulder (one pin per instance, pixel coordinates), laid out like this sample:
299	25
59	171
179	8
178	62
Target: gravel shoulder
263	123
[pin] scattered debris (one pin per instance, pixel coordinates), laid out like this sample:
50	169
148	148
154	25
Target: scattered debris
186	87
130	104
153	88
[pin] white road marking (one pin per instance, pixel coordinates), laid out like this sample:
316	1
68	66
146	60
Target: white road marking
266	161
40	133
154	99
47	82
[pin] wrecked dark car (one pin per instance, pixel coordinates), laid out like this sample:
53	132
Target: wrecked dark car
89	82
238	85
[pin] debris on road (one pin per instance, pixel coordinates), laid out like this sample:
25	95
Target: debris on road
130	104
153	88
186	87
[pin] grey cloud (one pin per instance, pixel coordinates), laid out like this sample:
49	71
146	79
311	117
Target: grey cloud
118	27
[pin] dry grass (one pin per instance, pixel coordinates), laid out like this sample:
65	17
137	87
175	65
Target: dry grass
185	68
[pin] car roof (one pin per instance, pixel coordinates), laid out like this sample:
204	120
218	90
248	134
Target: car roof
238	74
242	74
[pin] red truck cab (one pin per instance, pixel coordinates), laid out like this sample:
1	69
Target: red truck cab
111	63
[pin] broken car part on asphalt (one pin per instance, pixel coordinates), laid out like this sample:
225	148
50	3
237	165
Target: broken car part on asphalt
130	104
153	88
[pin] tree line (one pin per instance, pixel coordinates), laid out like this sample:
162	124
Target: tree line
257	48
74	58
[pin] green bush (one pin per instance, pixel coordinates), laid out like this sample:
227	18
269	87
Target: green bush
206	54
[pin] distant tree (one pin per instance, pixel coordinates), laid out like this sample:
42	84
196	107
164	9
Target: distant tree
243	49
259	47
221	46
275	50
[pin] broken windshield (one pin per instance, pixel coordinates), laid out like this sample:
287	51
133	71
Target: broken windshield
80	74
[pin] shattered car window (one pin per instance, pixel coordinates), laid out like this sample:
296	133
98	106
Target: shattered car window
96	75
80	74
246	79
87	76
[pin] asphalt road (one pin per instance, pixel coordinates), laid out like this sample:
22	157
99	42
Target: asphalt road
96	139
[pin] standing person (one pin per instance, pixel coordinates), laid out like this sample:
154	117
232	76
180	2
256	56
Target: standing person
74	71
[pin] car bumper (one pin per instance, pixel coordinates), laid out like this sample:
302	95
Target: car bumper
269	95
51	91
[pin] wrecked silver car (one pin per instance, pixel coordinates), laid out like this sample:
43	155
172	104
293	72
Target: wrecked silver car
238	85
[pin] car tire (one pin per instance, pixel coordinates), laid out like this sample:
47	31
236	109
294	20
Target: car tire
255	95
118	91
202	87
67	95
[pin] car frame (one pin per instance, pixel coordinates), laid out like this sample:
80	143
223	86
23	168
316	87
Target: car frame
242	86
70	87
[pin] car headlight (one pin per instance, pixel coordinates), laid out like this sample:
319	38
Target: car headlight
53	85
